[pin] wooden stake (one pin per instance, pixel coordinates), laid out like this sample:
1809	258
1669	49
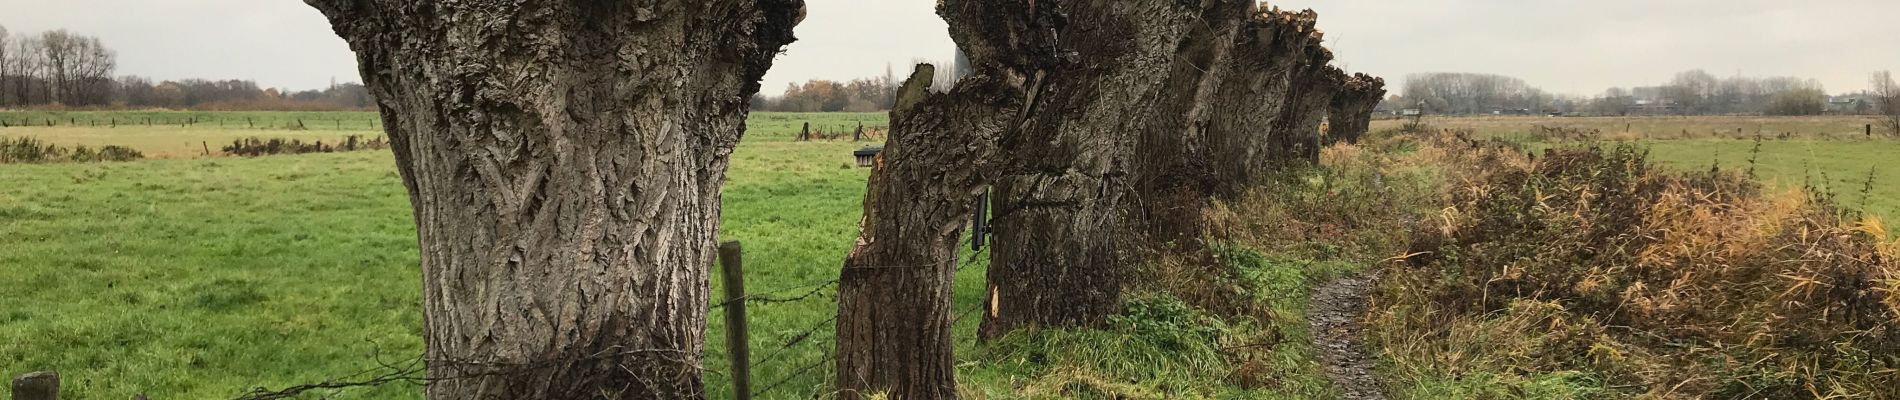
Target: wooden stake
737	350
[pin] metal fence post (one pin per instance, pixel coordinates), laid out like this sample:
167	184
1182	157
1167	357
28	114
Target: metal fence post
737	350
979	224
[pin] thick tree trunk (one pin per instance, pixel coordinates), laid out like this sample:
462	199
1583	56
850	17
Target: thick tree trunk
1350	116
894	292
1298	129
1154	108
564	159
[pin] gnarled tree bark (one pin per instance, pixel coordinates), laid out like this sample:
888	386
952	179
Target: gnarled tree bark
894	292
1298	129
564	160
1350	116
1276	47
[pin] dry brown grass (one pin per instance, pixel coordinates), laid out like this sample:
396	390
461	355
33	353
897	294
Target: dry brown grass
1662	285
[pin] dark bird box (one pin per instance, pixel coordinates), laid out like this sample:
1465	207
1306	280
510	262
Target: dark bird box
867	156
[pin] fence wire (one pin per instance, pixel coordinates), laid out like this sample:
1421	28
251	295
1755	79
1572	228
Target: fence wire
411	371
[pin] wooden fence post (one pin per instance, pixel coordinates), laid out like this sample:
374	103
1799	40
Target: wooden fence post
43	385
737	350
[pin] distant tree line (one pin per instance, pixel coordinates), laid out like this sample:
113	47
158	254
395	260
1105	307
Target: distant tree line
1469	93
200	94
55	67
65	69
1698	92
1694	92
858	95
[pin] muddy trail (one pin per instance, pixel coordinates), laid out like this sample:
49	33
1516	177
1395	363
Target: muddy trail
1338	332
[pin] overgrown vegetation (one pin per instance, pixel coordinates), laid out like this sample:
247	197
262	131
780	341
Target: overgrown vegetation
1590	272
1234	323
28	150
305	266
253	147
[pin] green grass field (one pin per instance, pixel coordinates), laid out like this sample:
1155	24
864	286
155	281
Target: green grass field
1829	153
201	278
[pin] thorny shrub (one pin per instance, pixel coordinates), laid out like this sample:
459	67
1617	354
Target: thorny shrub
31	150
253	147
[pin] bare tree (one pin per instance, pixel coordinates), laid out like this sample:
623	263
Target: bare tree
136	91
5	68
1693	90
28	66
92	72
565	160
60	49
1469	93
1887	93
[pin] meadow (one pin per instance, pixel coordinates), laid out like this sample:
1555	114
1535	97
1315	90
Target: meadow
204	277
184	134
1832	154
201	277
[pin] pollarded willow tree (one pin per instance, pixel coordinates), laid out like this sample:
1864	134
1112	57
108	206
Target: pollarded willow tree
894	312
564	160
1097	123
1350	115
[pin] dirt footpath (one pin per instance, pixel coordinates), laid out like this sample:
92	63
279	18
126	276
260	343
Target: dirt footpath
1338	334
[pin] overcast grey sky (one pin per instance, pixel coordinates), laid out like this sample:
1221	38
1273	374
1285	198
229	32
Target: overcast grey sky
1575	47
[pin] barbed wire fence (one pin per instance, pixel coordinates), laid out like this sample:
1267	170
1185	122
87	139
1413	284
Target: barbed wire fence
412	371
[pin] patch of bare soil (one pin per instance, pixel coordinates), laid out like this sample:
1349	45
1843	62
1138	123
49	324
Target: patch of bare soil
1335	319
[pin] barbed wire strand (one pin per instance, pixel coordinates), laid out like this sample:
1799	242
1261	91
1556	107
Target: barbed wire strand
413	370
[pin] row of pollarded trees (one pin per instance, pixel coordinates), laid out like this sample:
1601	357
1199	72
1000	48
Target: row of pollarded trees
1100	143
565	160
